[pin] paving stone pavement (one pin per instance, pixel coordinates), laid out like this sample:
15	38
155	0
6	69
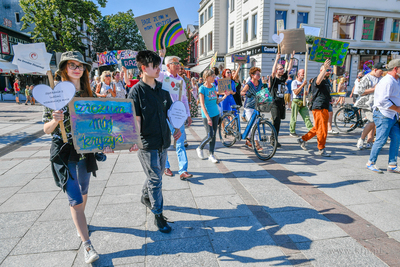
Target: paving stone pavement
296	209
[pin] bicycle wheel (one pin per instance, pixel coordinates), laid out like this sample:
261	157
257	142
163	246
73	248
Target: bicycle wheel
263	139
228	129
346	119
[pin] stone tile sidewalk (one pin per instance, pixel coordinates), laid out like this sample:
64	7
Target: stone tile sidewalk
296	209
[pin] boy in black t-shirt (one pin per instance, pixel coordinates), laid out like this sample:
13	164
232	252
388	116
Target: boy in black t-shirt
277	90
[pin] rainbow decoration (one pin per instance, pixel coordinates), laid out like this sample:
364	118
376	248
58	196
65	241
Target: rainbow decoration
166	35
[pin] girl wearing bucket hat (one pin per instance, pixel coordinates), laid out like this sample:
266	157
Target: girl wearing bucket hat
71	171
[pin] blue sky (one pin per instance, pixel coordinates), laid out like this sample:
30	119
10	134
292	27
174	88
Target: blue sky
186	9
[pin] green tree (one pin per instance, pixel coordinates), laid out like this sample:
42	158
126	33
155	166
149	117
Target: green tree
180	50
58	22
117	32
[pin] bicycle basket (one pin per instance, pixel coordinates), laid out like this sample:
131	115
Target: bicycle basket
264	106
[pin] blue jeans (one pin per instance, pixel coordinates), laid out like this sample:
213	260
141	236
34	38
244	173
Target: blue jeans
385	127
180	151
153	163
78	184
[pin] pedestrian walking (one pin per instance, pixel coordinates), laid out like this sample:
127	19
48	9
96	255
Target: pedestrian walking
173	68
366	89
106	88
288	92
72	171
31	94
298	88
355	91
16	90
194	108
210	113
321	97
386	108
277	90
151	106
27	95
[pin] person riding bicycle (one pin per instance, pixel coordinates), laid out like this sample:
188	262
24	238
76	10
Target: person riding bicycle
366	89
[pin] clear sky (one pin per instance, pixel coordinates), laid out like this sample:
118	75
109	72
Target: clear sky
185	9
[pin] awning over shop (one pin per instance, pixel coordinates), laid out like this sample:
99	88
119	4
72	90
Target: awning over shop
199	68
7	67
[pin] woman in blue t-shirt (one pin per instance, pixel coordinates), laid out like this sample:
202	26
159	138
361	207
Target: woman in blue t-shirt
209	112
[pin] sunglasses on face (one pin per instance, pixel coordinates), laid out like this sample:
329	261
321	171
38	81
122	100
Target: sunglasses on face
73	66
328	70
228	72
280	69
175	63
108	76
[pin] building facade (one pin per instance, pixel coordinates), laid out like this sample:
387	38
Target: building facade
246	27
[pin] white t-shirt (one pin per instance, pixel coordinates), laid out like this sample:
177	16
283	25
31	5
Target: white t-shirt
356	83
296	84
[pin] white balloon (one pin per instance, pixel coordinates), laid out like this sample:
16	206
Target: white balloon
56	98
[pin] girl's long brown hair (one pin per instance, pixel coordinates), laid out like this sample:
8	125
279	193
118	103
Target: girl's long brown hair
85	85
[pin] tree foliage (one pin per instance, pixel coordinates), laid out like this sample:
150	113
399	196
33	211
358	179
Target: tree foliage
58	22
117	32
180	50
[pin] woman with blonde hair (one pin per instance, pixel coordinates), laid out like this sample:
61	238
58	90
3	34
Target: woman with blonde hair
71	171
106	88
341	89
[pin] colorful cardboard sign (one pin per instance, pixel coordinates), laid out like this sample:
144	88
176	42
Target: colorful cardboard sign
224	85
161	29
129	63
112	57
213	60
56	98
171	85
324	48
31	58
97	123
295	40
240	59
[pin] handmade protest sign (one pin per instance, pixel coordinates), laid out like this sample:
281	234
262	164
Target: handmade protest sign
31	58
56	98
99	123
324	48
161	29
171	85
240	59
224	85
177	114
295	40
112	57
280	25
213	60
129	63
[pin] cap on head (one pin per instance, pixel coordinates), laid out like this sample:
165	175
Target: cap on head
393	63
379	66
73	55
169	59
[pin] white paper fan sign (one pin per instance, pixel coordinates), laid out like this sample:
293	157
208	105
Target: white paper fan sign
278	38
177	114
56	98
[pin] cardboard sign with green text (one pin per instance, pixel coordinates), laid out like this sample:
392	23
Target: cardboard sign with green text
295	40
324	48
224	85
97	123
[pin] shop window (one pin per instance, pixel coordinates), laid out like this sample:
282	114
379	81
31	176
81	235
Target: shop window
367	62
394	35
373	29
280	15
245	30
343	27
302	17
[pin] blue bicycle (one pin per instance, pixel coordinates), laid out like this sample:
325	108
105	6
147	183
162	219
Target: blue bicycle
262	132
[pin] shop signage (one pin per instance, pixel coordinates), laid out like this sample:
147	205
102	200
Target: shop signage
373	52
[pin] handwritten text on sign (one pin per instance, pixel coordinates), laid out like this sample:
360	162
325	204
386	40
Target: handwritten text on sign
100	123
323	49
129	63
224	85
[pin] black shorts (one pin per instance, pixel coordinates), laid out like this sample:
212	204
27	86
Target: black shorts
355	96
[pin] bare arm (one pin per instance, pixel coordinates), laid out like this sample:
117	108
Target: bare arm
278	56
369	91
291	61
321	75
298	90
113	91
50	126
244	90
236	73
98	90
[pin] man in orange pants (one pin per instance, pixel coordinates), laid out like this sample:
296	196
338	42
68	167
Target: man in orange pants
320	90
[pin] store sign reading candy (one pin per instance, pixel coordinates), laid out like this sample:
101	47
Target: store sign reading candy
100	123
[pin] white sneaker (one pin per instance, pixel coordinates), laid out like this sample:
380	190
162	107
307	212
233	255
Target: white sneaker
200	153
360	144
323	153
332	132
213	159
90	254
